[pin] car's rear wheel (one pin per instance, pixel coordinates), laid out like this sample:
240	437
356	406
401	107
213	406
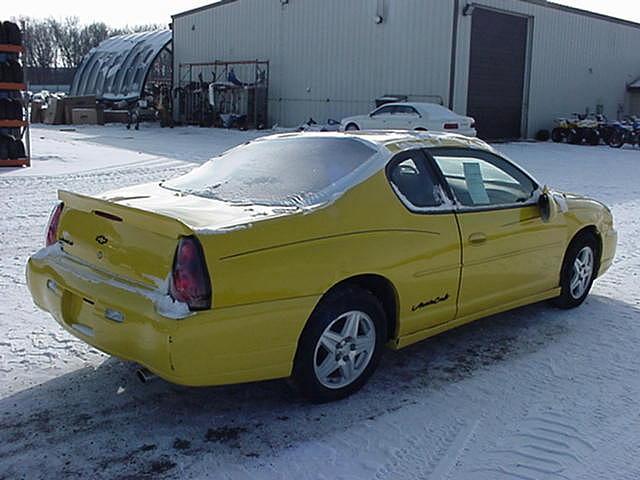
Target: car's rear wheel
351	127
579	269
341	345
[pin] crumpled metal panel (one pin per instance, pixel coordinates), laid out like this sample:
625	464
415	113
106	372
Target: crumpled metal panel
118	67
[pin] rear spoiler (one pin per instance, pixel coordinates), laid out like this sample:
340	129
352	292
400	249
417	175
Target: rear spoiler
147	220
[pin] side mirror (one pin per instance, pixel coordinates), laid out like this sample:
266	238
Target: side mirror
547	205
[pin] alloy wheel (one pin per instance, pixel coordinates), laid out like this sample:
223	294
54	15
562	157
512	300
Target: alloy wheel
344	349
582	272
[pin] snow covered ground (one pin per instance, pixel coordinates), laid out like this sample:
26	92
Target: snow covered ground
536	393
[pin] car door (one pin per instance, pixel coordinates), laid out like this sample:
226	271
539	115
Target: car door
380	118
404	117
508	252
427	281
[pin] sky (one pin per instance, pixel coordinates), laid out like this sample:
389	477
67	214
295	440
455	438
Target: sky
160	11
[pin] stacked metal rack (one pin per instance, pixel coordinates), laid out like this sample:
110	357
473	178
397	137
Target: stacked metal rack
14	124
223	94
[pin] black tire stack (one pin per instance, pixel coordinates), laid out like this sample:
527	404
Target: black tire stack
11	100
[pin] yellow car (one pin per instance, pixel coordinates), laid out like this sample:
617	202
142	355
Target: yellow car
302	255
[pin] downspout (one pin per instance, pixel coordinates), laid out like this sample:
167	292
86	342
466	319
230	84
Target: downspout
454	52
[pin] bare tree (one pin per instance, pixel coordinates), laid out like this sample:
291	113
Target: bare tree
67	36
91	35
41	49
64	43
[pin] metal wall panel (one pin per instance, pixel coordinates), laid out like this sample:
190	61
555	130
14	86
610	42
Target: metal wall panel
328	59
576	62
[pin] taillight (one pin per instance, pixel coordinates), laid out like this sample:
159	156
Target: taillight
190	281
52	226
450	126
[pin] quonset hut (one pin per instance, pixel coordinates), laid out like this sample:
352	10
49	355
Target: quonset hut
118	68
514	65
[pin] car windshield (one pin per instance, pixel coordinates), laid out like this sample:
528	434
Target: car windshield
280	172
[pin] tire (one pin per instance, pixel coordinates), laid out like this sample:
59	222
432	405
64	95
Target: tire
592	137
351	127
543	135
12	149
574	137
579	269
617	139
13	110
340	346
20	149
16	71
4	148
605	133
5	72
557	135
13	35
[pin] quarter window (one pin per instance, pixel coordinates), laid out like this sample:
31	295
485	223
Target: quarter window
479	178
413	182
405	110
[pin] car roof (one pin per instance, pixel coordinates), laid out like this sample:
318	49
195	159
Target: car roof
433	108
396	141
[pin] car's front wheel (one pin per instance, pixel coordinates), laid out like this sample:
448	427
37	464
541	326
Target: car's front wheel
341	345
578	271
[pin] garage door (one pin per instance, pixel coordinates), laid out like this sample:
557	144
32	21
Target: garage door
497	73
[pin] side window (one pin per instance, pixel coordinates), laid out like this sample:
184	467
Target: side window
384	110
479	178
413	182
406	110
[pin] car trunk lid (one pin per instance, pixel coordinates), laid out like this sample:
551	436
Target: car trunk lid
129	242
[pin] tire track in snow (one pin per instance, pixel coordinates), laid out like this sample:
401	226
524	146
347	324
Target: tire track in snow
429	453
545	446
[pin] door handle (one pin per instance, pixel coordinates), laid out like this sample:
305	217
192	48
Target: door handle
477	238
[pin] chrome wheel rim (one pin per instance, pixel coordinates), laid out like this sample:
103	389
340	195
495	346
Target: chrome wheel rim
582	272
344	349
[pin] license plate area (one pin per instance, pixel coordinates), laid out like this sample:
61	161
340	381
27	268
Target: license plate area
79	312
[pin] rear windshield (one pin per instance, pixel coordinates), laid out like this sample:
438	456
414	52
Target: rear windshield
279	172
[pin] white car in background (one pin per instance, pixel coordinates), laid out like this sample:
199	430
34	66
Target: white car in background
412	116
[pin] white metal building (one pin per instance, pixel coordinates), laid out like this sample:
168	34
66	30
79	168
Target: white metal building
513	64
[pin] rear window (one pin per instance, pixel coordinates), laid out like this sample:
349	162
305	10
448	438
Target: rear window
279	172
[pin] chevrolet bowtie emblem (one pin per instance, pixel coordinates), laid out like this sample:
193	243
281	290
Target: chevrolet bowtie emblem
101	239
